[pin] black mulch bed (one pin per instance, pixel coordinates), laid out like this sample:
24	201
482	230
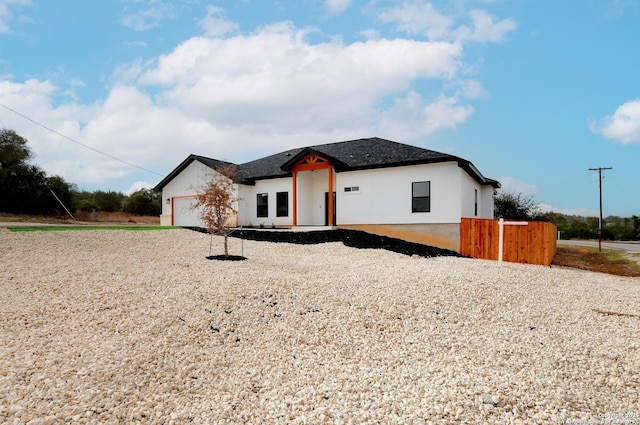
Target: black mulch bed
226	257
351	238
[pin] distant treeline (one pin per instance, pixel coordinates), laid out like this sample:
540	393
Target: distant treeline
577	227
26	189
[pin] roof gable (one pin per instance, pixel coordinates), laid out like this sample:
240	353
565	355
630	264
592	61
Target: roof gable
309	158
209	162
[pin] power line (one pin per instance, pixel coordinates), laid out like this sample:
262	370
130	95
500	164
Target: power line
80	143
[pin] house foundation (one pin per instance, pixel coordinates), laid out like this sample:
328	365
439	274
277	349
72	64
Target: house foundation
441	235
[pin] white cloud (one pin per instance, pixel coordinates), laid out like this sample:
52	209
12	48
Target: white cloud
151	16
471	89
127	72
444	112
623	125
582	212
138	43
7	14
544	208
241	97
337	6
370	34
139	185
411	115
485	28
514	185
275	78
419	17
215	25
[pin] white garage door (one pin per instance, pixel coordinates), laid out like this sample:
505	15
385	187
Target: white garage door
185	214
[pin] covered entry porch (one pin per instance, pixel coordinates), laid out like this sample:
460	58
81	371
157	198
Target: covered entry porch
314	197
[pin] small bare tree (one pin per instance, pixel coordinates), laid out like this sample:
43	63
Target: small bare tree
217	201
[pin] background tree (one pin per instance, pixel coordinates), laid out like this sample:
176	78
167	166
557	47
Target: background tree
108	201
14	151
515	206
635	222
64	191
217	201
23	186
84	201
143	202
26	189
579	227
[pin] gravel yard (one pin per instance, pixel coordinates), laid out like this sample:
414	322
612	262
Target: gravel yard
137	326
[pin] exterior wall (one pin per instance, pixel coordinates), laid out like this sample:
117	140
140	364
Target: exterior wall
385	195
382	205
185	184
312	186
246	204
320	185
487	202
248	214
305	197
467	193
446	236
468	186
178	196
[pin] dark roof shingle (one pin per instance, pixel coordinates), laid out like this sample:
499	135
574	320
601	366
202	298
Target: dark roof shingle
361	154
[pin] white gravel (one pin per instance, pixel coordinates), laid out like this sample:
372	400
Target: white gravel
137	326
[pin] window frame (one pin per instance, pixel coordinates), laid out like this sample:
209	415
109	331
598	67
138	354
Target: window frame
476	202
414	198
282	205
262	205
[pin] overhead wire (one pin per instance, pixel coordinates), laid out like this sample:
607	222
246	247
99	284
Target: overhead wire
80	143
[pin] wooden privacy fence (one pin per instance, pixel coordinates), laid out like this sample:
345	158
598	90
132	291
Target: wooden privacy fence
531	242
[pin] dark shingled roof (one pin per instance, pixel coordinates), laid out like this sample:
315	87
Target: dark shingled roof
209	162
361	154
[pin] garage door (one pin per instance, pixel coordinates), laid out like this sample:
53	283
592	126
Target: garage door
185	214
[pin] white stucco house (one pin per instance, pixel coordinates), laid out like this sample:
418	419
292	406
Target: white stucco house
378	186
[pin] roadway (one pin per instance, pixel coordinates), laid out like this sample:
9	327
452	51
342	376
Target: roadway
633	247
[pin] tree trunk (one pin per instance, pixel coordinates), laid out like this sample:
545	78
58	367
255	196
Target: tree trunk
226	245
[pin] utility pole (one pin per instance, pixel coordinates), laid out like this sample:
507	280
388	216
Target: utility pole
600	170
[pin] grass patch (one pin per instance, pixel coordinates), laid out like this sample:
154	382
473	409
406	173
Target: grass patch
611	261
72	228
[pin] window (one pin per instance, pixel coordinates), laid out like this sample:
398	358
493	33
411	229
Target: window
421	197
263	205
476	202
351	189
282	204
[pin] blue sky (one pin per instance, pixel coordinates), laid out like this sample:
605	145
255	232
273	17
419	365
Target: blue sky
534	93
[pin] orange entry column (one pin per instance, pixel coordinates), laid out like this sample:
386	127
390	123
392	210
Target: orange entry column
173	213
331	196
295	198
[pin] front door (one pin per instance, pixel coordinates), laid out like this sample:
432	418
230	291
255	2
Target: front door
326	208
